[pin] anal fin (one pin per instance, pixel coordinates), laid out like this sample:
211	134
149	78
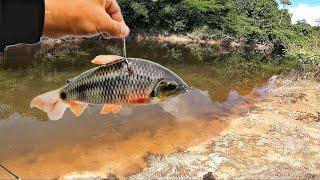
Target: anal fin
108	108
77	107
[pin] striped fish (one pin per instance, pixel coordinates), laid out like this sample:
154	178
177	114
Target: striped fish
115	83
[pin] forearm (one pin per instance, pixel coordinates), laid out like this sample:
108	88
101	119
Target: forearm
25	21
21	21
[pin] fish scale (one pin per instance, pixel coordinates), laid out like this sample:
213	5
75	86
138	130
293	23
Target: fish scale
114	83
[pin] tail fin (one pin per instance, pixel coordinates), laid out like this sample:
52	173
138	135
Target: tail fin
50	103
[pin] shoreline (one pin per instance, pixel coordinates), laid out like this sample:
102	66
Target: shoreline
223	45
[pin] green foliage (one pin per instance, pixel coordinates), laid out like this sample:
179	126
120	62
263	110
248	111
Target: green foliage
255	20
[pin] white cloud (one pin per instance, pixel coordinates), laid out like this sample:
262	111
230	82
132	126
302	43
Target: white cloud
305	11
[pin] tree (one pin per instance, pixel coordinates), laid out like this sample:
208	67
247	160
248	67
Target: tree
318	22
257	20
285	2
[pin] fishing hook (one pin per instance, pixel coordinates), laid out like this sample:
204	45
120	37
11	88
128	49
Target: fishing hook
125	56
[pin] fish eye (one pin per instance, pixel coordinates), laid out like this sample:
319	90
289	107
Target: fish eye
63	95
172	85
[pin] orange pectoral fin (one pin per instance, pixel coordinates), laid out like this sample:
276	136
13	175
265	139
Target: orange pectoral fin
108	108
77	107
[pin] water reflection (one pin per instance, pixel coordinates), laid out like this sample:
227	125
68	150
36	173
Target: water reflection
197	103
117	143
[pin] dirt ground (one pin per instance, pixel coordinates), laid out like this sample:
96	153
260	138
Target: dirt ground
278	139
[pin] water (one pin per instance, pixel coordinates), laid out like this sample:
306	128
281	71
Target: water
224	86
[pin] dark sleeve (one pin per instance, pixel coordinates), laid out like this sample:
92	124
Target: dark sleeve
21	21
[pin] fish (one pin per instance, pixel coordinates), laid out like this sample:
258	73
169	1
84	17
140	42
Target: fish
114	83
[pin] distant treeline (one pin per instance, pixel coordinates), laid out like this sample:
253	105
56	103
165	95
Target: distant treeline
256	20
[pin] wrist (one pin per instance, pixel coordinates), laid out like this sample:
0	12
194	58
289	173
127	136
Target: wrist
56	19
48	27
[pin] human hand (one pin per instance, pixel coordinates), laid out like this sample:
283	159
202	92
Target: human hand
84	18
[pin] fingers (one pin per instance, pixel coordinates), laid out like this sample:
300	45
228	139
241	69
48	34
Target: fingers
112	28
105	59
114	25
113	9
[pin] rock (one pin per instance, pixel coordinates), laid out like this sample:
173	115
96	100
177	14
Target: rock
204	37
208	176
89	175
225	42
112	177
279	48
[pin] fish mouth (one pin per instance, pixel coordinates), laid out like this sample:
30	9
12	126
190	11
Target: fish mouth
183	89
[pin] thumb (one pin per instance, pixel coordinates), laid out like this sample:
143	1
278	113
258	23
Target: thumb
113	28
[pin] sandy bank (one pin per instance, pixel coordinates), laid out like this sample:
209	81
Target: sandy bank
280	139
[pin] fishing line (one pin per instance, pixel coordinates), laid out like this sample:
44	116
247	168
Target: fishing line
125	55
9	171
125	49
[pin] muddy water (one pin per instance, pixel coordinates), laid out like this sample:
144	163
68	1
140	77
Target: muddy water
224	85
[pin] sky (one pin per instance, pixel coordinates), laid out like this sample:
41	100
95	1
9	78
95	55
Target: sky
305	9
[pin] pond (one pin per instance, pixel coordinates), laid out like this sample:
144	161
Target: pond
224	85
